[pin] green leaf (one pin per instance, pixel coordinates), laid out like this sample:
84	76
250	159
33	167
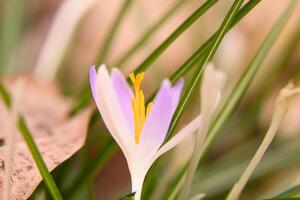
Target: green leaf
192	85
53	190
191	62
196	57
149	32
5	95
184	26
212	179
248	76
39	160
288	193
206	58
128	197
92	168
105	49
85	96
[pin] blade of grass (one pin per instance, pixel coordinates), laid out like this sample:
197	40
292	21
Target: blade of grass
195	79
290	192
10	30
105	49
92	168
39	160
5	95
149	32
85	96
199	53
216	178
53	190
192	85
244	82
184	26
196	57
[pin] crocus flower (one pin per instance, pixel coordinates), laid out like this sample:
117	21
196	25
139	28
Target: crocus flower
139	129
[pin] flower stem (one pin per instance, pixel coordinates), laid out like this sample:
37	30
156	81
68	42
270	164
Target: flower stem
280	111
200	137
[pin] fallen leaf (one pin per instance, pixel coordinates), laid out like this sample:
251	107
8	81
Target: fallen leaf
58	137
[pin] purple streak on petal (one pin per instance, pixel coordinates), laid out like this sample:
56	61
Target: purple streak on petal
176	91
124	94
93	82
157	123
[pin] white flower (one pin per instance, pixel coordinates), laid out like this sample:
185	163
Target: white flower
139	130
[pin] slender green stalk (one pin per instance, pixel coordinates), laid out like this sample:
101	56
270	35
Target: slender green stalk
5	95
105	49
218	177
92	168
10	139
187	93
52	188
85	97
244	82
10	30
200	52
196	57
149	32
290	192
183	27
207	57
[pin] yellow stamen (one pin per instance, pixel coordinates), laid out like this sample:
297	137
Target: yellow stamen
138	105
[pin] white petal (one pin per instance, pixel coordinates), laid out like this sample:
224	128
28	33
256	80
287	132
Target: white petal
140	174
213	81
113	116
179	137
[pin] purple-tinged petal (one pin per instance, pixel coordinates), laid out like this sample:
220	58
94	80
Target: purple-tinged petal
157	124
111	113
124	94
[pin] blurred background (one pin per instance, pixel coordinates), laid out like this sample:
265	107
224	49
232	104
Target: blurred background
64	38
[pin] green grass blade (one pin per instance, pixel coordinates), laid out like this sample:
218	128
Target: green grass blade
92	168
244	82
184	26
5	96
195	58
10	30
208	56
212	179
290	192
53	190
149	32
105	49
185	67
85	96
191	87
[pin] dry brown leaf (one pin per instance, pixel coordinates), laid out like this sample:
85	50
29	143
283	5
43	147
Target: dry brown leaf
57	137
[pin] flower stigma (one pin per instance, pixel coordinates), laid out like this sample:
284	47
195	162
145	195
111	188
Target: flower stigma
140	113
